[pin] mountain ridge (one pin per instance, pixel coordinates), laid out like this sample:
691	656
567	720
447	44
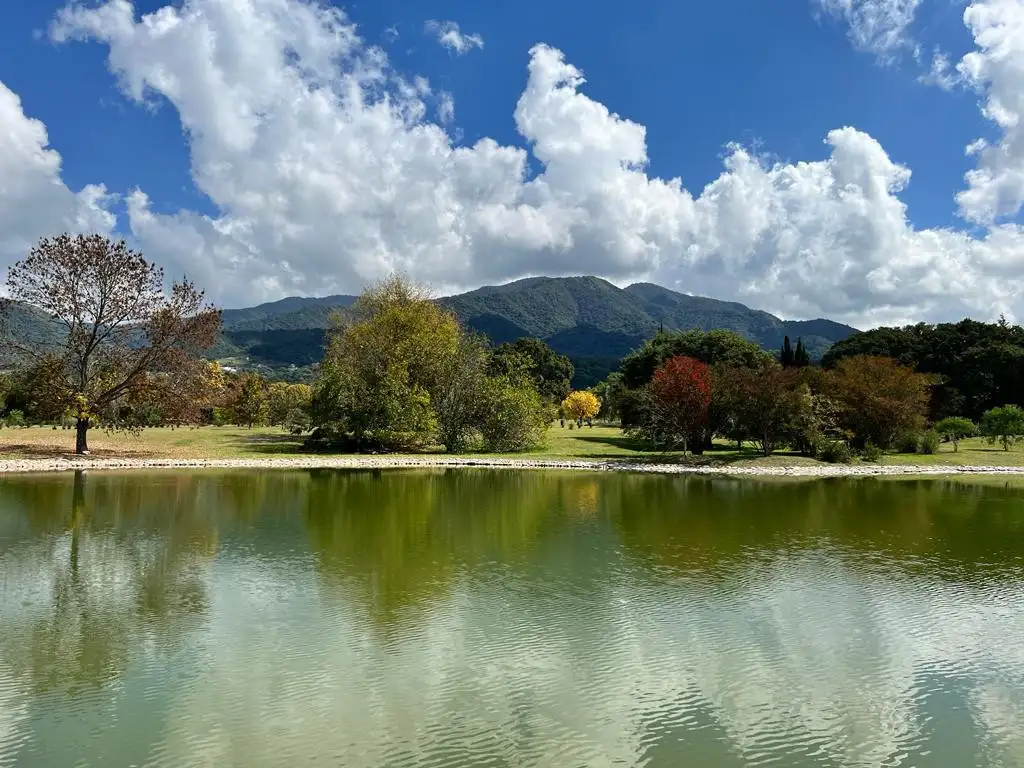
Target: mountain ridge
586	318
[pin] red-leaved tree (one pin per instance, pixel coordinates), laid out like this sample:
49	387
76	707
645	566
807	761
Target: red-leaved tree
681	402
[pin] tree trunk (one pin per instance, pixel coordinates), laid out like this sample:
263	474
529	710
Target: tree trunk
81	436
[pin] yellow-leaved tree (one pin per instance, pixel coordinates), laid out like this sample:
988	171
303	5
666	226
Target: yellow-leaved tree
580	405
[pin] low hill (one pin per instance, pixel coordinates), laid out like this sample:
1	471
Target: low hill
592	321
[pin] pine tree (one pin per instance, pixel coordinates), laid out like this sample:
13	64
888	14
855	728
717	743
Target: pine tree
801	357
786	358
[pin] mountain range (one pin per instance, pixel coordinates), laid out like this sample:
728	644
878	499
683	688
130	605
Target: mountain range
588	319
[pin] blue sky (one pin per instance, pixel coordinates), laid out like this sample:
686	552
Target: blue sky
775	78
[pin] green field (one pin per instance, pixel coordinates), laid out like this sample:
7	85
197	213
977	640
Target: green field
588	443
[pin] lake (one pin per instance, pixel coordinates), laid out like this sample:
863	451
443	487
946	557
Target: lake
457	618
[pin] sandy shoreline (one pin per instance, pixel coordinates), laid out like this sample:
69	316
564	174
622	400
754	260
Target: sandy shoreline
12	466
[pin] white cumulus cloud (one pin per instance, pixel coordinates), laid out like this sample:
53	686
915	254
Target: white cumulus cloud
34	201
996	187
451	37
327	171
878	26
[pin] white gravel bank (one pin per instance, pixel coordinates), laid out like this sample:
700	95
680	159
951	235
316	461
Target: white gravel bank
388	462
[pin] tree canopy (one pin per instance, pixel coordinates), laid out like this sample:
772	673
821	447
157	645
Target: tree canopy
879	399
401	373
680	403
125	343
1004	425
708	347
551	372
581	405
979	365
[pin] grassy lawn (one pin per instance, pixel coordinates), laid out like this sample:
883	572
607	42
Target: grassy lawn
179	443
606	443
975	452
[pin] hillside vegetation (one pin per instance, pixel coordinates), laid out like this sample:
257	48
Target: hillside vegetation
588	319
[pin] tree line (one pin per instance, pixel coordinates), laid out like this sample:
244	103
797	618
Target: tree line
974	366
400	373
679	390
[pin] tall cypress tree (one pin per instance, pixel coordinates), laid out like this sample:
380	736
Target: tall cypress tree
801	357
786	358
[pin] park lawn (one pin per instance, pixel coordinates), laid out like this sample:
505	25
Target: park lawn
593	443
161	443
974	452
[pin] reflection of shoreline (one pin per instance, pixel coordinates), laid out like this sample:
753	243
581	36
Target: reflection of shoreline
24	466
366	618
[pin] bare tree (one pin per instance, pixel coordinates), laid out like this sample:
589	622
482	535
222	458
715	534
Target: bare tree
123	337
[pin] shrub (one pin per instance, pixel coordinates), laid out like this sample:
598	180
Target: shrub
516	418
835	452
908	442
15	418
871	452
930	442
955	429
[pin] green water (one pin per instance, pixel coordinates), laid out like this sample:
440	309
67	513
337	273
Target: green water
484	618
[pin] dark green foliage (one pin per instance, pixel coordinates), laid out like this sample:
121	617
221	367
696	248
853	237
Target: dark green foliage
550	372
908	442
979	365
801	358
280	347
871	452
709	347
835	452
589	371
786	356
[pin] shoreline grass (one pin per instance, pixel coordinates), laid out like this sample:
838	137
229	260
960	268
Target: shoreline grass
598	443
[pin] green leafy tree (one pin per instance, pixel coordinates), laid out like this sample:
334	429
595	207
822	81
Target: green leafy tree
608	393
1004	425
284	400
121	331
515	417
459	399
385	361
551	372
248	403
955	429
402	374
